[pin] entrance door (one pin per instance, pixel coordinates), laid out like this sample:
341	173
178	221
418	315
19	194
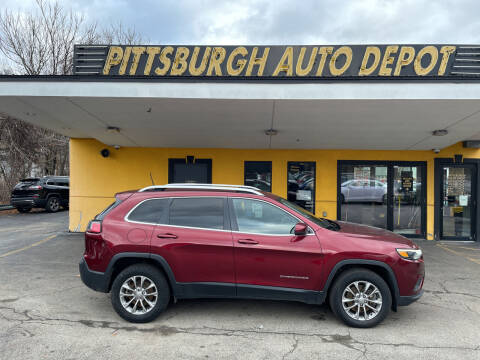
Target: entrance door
190	170
388	195
408	199
457	202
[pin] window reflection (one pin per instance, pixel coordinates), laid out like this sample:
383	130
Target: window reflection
301	184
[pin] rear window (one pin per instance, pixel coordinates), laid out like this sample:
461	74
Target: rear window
27	182
109	208
150	211
207	213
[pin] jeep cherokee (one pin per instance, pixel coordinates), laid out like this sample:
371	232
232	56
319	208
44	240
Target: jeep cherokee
225	241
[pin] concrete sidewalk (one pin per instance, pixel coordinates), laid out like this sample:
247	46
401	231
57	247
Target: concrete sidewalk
47	313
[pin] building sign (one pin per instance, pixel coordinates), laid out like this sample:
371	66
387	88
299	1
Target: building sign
312	62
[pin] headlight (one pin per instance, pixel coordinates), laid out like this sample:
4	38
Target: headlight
410	254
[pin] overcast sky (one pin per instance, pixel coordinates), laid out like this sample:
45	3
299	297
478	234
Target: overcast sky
286	22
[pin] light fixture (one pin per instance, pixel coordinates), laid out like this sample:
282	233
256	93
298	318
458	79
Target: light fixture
113	130
441	132
271	132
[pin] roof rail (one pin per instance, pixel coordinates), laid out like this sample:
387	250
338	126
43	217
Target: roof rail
188	186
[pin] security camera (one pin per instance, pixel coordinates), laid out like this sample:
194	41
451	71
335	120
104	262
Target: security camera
116	147
105	153
436	151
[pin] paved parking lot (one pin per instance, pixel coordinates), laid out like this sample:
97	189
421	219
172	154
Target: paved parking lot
47	313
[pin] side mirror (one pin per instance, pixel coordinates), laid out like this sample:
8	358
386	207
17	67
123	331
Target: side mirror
300	229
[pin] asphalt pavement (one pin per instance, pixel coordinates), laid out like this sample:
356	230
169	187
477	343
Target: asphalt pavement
47	313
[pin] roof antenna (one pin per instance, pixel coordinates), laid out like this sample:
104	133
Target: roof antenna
151	178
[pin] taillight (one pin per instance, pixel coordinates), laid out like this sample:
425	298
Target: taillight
95	226
35	187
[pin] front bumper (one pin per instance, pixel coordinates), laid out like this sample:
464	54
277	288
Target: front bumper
95	280
407	300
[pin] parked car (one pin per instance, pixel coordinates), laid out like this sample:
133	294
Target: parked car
217	241
363	191
49	192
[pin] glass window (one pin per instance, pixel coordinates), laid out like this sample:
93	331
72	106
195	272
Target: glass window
150	211
262	218
205	212
301	184
258	174
363	194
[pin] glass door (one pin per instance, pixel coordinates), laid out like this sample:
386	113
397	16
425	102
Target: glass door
407	199
457	203
385	194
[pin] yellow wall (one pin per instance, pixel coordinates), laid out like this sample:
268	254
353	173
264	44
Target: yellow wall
95	180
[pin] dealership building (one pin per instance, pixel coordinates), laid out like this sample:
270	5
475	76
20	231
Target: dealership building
383	135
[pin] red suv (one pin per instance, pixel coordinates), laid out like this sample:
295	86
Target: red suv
186	241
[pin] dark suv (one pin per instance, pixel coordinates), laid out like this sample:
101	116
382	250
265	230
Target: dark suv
223	241
49	192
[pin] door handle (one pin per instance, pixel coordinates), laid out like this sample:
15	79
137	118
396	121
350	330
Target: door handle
167	236
248	241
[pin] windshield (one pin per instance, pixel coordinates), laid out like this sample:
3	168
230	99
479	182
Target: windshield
319	221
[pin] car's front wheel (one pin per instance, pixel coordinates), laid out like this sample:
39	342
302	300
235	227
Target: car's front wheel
360	298
140	293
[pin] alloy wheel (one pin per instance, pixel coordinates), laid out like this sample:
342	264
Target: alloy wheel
54	204
138	295
362	300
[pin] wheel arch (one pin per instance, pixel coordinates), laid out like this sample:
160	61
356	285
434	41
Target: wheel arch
378	267
49	195
123	260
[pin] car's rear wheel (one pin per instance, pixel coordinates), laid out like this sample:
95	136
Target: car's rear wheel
53	204
24	210
360	298
140	293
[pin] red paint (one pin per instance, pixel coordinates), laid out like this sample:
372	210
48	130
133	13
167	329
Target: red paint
202	255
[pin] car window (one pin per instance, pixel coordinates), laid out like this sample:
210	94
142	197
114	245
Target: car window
150	211
259	217
204	212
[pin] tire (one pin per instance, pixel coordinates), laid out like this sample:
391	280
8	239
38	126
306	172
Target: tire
153	276
24	210
365	318
53	204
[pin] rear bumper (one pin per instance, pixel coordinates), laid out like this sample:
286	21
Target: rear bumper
95	280
407	300
24	202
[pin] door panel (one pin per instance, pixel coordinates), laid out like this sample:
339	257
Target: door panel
408	188
457	202
278	260
197	242
266	253
195	255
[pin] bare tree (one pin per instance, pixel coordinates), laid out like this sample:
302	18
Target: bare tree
40	42
117	33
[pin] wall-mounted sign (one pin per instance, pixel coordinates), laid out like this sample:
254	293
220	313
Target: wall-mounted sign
311	62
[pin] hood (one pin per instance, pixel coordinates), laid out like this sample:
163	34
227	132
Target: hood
373	233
